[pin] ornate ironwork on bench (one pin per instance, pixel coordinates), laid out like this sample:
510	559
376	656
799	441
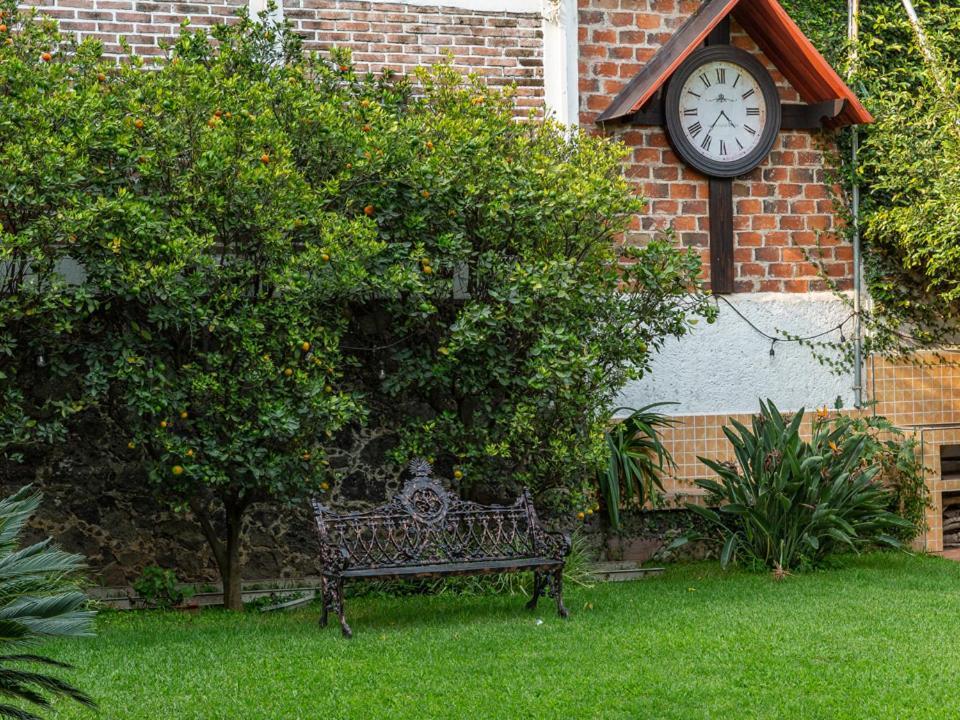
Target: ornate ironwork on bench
426	531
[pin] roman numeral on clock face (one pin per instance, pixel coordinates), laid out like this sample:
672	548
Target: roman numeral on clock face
707	141
695	129
753	111
723	148
705	79
690	112
748	93
722	76
749	129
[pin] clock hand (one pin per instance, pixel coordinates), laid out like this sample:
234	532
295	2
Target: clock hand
728	118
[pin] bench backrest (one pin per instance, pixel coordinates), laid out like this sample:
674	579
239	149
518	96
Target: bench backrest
426	525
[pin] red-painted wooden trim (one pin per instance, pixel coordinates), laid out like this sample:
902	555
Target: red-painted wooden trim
667	59
775	33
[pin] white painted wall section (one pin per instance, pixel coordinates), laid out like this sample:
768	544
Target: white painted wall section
726	367
561	60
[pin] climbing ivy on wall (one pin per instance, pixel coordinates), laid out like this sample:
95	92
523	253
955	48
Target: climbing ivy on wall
909	166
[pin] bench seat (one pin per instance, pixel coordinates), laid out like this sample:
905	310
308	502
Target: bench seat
477	567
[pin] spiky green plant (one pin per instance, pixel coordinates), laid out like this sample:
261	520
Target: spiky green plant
39	599
788	503
635	459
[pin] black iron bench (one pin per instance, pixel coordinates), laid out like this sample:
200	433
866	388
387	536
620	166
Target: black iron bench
426	531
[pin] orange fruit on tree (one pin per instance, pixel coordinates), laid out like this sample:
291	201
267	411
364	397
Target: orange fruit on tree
457	474
184	415
101	77
138	123
305	346
46	57
425	193
190	452
3	28
177	469
163	423
265	158
131	445
325	257
288	372
427	270
368	211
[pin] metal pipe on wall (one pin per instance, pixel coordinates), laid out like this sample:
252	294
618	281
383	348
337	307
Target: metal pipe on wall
853	34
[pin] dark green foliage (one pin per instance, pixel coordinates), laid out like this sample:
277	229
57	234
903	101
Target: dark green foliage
267	248
159	588
788	503
635	460
39	599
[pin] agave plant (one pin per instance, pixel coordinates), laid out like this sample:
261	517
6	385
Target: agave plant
788	503
39	599
635	459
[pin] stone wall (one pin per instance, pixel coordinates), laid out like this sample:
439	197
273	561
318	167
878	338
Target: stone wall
98	503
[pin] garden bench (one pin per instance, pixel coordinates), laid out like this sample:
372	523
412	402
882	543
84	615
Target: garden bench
424	531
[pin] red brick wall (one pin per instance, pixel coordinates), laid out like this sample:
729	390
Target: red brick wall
143	24
503	47
782	210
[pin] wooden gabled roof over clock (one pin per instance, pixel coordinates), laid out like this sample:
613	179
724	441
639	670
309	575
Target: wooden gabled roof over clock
775	33
721	108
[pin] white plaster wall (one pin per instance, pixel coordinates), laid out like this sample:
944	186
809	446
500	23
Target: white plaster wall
726	367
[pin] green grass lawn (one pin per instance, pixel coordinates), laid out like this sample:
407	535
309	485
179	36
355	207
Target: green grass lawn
878	638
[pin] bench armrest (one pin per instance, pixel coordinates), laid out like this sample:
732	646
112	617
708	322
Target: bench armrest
557	545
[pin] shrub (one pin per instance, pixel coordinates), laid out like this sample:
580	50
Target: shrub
159	588
39	599
502	364
788	503
635	460
901	466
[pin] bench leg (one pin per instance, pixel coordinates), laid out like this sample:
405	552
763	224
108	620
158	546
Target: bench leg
338	607
556	590
538	583
324	600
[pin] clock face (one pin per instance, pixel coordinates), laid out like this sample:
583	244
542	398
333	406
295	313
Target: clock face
723	111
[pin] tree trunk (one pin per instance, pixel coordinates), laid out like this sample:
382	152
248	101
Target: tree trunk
232	598
226	553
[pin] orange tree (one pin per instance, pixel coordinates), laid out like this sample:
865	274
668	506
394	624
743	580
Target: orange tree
268	247
205	308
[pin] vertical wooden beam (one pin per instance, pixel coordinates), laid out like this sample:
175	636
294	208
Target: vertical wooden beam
721	235
721	205
720	35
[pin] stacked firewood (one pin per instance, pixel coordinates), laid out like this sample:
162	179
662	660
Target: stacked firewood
951	522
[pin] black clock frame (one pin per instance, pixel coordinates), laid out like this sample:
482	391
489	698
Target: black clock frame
771	98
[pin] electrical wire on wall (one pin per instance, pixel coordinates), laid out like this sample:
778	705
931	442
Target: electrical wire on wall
774	339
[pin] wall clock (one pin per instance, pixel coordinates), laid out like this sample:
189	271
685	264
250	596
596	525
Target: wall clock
722	111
